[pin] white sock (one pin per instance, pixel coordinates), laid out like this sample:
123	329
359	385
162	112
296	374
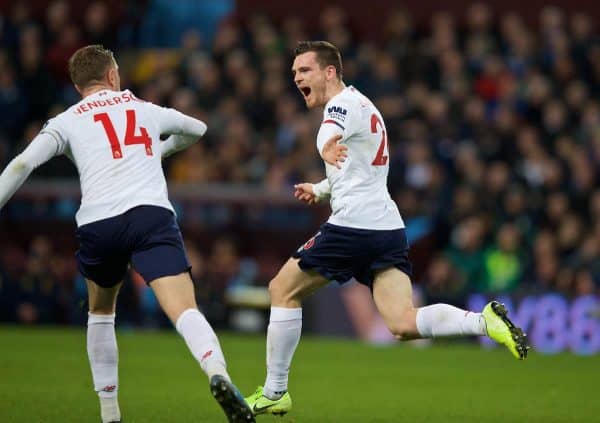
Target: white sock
202	342
446	320
104	360
283	335
109	410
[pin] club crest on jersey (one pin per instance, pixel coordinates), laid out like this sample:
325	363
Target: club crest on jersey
337	112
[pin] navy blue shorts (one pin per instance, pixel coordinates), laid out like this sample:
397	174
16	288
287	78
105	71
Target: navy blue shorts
340	254
148	237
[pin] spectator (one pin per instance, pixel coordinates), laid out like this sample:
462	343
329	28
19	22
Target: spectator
39	297
504	262
466	250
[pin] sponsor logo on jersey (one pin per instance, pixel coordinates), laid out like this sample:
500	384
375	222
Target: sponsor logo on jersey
337	113
337	109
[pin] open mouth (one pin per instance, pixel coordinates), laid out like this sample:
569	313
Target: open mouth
305	91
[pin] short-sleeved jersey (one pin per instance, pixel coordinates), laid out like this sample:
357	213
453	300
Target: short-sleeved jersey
114	138
359	194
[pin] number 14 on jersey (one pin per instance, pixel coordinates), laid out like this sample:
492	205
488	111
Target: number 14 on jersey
130	136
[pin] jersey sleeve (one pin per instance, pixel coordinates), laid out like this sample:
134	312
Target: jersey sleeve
176	143
41	149
57	136
338	118
322	189
171	121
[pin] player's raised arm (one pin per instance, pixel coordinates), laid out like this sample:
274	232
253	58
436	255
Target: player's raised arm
176	143
184	130
39	151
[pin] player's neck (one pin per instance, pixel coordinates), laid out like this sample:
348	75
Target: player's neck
333	89
93	89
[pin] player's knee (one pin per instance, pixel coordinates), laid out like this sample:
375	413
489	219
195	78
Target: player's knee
400	331
276	290
404	327
279	292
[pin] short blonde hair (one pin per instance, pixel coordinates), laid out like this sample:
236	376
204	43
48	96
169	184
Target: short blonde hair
89	64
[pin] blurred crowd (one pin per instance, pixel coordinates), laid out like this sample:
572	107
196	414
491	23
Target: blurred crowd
493	124
41	284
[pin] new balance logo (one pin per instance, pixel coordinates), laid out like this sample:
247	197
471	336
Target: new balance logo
109	388
206	355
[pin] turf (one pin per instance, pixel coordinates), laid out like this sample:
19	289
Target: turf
44	377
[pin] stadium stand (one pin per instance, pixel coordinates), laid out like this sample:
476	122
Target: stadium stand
494	129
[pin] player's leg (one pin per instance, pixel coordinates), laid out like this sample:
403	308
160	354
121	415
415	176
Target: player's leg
159	256
287	290
103	262
102	348
392	292
176	297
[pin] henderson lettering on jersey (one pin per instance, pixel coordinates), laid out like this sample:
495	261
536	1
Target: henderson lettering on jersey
88	106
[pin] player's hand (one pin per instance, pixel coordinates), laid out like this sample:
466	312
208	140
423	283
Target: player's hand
333	152
304	192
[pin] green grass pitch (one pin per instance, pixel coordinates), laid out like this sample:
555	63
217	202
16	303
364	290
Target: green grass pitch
44	377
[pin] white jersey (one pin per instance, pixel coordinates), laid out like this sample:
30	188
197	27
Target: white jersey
114	138
359	194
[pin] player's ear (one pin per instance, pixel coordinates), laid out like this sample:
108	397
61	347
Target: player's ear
78	88
331	72
112	76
